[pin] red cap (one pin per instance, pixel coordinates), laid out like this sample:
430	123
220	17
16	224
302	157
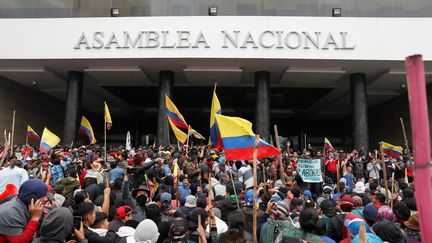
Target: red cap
123	211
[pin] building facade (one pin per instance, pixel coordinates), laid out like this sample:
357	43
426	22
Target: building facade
285	63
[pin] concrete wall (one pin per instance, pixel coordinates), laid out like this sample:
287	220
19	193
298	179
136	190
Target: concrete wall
384	121
32	107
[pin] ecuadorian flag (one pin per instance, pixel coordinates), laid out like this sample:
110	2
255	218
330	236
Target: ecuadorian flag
392	150
214	130
107	117
174	114
48	140
86	129
177	120
328	145
238	139
32	134
179	134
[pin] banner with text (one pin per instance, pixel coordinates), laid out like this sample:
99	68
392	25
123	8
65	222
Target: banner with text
310	170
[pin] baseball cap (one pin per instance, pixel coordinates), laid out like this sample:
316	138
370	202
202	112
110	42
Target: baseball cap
123	211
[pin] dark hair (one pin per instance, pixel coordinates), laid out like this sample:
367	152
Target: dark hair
83	209
308	219
296	191
72	172
100	218
117	183
373	186
236	226
14	163
153	212
295	202
80	197
381	198
201	202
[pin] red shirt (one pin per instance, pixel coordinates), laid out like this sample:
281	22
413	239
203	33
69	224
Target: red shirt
331	165
25	237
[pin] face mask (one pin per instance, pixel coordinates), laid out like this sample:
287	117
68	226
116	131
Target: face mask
141	200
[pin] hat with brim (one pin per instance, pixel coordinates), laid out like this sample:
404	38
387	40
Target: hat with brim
413	222
96	166
140	188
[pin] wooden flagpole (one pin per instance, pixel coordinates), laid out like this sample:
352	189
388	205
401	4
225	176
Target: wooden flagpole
392	190
384	168
187	141
13	132
199	223
26	140
362	234
255	213
105	132
338	187
305	142
407	150
281	167
421	142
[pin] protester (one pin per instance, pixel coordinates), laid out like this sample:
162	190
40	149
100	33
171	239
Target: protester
139	195
20	217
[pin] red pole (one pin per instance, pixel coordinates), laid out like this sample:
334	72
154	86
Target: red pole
421	142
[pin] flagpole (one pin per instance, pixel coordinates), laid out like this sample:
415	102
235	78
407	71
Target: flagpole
187	141
417	97
105	157
13	132
281	167
338	187
384	168
255	213
26	140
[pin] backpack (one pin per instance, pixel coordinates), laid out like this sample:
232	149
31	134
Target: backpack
271	229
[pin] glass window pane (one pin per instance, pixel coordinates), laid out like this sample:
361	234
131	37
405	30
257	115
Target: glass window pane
16	9
53	8
93	8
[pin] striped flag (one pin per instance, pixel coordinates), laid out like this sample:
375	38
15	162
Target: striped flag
31	133
107	117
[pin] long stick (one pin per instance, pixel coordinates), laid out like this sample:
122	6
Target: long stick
305	141
255	213
199	223
235	191
187	141
281	167
338	187
13	132
105	157
264	177
405	138
392	191
362	234
26	140
421	142
384	168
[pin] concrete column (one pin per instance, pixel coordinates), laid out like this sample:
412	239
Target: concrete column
166	80
359	111
73	107
262	107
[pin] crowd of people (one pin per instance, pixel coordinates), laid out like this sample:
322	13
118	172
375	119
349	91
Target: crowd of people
176	194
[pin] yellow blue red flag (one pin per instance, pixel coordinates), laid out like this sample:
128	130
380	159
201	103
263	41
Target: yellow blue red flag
238	139
214	131
31	133
328	145
176	119
48	140
179	134
174	114
86	129
107	117
392	150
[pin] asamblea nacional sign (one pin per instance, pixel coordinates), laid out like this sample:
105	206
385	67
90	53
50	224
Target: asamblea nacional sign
276	39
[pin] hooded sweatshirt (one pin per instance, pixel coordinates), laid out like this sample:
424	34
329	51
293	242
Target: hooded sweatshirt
57	225
227	206
146	231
